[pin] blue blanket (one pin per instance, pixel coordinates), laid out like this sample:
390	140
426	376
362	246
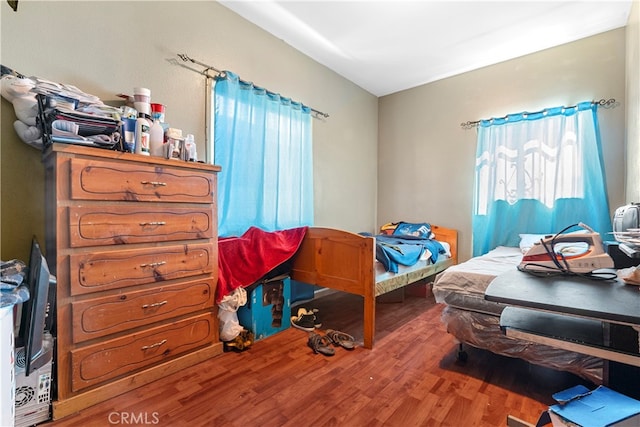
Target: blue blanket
393	250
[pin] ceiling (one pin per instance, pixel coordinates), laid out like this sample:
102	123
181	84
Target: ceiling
385	46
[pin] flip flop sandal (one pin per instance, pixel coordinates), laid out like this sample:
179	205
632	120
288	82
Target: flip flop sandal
320	344
341	339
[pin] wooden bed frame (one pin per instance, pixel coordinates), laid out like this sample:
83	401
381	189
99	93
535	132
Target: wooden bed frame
345	261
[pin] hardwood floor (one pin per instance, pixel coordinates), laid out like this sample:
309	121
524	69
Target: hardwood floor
410	378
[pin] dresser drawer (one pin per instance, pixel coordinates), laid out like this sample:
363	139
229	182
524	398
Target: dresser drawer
105	180
112	358
101	271
116	225
103	316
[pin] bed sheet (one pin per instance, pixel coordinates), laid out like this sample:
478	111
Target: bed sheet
387	281
473	276
463	285
393	251
425	260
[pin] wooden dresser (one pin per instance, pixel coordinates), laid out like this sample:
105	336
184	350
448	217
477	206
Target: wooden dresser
132	241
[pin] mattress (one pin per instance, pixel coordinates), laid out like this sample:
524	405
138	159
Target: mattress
387	281
483	331
475	321
463	285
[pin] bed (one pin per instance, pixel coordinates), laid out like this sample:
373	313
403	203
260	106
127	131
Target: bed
474	321
346	262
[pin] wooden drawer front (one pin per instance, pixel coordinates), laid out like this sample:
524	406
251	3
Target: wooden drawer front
103	316
109	359
115	225
104	180
102	271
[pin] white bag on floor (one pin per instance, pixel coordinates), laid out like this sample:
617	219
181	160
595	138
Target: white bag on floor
230	328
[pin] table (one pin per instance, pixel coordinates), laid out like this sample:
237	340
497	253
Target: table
599	318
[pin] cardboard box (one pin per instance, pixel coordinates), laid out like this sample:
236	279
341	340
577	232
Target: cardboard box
601	407
301	291
268	308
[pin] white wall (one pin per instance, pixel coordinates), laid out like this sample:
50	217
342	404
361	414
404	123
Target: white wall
426	161
106	48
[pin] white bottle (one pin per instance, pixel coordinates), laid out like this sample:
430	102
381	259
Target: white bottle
193	153
189	148
156	139
142	134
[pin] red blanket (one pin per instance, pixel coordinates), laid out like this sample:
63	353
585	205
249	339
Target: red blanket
243	260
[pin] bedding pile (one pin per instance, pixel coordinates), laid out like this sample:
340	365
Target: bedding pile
405	244
392	251
244	260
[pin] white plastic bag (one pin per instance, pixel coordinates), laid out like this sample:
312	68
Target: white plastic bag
230	328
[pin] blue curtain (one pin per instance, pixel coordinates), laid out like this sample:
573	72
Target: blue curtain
263	144
538	173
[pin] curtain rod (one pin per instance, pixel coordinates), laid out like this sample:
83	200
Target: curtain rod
604	103
219	73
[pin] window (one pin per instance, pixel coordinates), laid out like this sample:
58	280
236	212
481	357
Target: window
263	144
538	173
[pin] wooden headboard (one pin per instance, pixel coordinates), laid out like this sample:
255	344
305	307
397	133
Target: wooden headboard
450	236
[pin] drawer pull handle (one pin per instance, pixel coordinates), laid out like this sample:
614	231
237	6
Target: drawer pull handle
153	223
158	344
154	183
153	264
155	304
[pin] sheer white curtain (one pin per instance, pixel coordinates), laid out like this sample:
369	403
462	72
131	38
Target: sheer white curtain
538	173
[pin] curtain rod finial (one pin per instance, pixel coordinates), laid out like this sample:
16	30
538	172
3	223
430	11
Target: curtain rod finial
607	103
469	125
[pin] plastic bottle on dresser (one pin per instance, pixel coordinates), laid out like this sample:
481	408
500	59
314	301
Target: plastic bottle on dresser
190	148
156	139
142	134
175	141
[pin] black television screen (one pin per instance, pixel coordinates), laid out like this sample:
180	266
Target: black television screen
34	310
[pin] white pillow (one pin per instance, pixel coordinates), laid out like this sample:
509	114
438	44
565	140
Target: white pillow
528	240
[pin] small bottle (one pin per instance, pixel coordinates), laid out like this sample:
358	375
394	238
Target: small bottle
193	153
142	134
156	139
175	148
157	112
189	148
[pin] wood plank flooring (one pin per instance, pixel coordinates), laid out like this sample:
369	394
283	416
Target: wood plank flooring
410	378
